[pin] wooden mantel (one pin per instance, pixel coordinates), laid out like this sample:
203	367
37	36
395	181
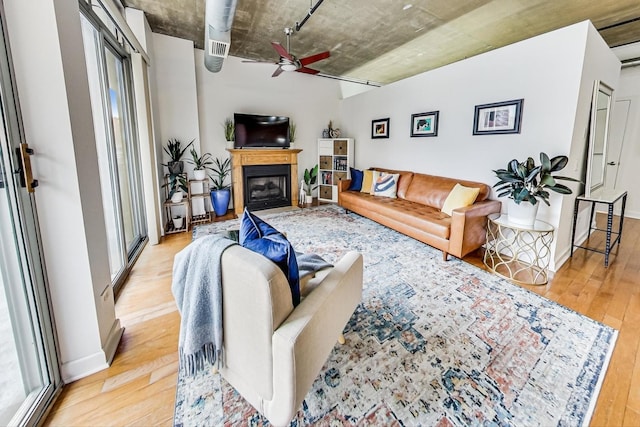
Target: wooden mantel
256	156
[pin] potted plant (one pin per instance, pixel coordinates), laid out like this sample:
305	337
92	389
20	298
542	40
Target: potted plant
292	133
220	192
310	178
175	151
177	187
525	183
178	221
200	164
229	131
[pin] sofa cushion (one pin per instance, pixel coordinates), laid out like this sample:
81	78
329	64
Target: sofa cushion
425	218
459	197
404	180
386	185
356	179
367	180
260	237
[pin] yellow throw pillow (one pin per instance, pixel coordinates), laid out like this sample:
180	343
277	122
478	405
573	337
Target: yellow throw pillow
459	197
367	180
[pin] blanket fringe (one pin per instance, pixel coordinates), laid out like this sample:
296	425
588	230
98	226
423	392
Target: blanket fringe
193	363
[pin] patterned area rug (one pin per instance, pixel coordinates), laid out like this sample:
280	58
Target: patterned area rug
433	343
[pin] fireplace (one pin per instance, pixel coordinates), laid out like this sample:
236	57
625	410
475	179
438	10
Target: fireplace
266	186
286	163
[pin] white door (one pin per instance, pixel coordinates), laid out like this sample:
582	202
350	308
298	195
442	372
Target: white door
29	376
617	134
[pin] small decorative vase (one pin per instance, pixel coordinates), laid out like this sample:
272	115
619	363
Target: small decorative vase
308	199
199	174
230	144
175	168
220	201
177	197
522	214
177	222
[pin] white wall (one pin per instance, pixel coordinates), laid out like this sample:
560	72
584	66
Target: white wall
56	109
176	92
546	71
309	101
629	88
599	64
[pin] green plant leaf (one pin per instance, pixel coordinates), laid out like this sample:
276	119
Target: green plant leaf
558	163
559	188
546	164
547	180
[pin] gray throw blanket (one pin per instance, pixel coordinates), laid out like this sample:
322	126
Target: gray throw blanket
197	289
310	263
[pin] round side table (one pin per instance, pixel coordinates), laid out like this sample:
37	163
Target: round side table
518	252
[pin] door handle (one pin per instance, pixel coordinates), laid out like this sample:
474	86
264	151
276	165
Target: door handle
27	175
612	163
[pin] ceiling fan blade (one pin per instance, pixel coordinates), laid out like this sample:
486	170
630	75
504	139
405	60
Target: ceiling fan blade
277	72
315	58
307	70
281	50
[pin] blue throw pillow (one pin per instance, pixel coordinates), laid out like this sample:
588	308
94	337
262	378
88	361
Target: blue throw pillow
356	179
260	237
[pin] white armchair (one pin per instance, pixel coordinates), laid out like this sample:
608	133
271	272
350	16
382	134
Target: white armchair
273	352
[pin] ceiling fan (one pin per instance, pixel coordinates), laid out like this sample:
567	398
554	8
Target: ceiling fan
288	61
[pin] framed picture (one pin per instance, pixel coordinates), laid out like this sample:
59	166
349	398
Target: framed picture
424	124
500	117
380	128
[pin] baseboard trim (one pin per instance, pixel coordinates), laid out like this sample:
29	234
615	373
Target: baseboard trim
96	362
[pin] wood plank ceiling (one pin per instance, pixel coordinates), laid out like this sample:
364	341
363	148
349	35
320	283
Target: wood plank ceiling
385	41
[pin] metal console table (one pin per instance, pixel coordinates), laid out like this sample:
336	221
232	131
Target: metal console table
520	253
610	198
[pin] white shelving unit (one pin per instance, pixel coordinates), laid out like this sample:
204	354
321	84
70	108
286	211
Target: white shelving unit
335	157
200	201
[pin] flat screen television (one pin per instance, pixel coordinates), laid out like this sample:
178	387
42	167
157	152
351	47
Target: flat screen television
255	131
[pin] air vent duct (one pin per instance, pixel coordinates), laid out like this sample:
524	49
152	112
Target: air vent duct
218	48
217	32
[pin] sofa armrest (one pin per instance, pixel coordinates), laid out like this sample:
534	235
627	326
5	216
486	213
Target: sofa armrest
468	226
305	339
343	185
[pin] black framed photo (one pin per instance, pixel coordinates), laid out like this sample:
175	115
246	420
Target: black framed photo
497	118
380	128
424	124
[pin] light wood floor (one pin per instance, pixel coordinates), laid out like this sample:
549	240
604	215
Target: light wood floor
139	387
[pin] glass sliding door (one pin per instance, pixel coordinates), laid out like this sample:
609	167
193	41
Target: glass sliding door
118	159
28	361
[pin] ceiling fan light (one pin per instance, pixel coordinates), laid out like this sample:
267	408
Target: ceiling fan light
288	67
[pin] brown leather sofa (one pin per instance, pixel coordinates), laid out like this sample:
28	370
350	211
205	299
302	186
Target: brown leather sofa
416	211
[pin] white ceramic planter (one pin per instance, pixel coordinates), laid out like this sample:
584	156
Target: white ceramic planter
522	214
230	144
200	174
308	199
177	197
177	222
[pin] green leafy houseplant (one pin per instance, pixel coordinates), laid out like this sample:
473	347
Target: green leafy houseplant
229	129
175	151
200	162
220	169
528	182
310	179
176	182
292	132
220	193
